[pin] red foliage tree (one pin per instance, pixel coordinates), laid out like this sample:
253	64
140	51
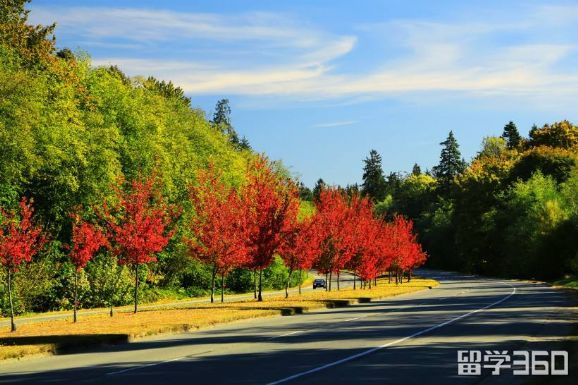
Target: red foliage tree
139	225
271	205
404	250
218	225
335	228
300	249
20	240
87	239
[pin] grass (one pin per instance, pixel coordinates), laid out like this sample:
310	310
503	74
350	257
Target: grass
62	336
568	282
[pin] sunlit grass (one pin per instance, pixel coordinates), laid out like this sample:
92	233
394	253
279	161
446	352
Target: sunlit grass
59	335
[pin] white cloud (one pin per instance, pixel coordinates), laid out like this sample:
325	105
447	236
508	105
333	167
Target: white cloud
335	124
271	54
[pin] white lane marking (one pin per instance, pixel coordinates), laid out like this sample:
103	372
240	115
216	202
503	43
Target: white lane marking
286	334
373	350
144	366
154	364
314	329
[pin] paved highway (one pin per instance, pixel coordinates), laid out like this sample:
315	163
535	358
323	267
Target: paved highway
410	339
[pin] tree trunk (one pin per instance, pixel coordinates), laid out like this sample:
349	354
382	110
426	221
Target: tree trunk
369	283
213	275
389	275
287	283
338	281
12	324
409	275
375	281
75	294
300	281
136	288
260	296
111	312
326	281
222	287
353	281
255	283
330	278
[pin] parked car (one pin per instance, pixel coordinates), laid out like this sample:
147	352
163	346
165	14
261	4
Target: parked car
319	283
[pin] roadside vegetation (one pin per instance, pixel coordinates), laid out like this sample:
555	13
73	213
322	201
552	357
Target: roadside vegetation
569	283
114	190
63	335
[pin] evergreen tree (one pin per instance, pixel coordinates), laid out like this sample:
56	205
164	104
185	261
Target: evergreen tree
222	122
416	170
244	144
392	183
451	161
319	186
373	179
222	115
352	189
305	193
512	136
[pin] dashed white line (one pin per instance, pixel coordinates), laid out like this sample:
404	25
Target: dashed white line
155	364
145	366
286	334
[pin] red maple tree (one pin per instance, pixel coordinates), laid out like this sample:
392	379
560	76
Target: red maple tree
20	240
300	248
335	229
140	225
87	239
271	205
218	225
408	250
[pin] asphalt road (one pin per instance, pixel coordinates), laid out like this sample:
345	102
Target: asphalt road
410	339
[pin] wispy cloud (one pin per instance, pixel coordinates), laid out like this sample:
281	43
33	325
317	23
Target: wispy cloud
273	54
335	124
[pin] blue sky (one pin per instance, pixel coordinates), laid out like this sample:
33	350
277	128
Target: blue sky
320	83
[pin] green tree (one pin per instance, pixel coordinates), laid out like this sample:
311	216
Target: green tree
512	136
319	186
559	135
416	169
534	210
373	179
451	162
305	193
222	122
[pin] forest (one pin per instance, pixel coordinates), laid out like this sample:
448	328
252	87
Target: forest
512	211
116	190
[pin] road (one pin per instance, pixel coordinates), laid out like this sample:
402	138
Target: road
410	339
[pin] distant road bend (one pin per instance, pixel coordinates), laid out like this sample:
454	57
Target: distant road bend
409	339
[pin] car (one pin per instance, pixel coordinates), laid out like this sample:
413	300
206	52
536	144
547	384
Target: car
319	283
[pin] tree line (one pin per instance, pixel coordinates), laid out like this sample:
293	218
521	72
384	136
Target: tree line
511	211
116	190
228	228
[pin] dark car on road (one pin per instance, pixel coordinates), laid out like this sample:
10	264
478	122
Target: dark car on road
319	283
